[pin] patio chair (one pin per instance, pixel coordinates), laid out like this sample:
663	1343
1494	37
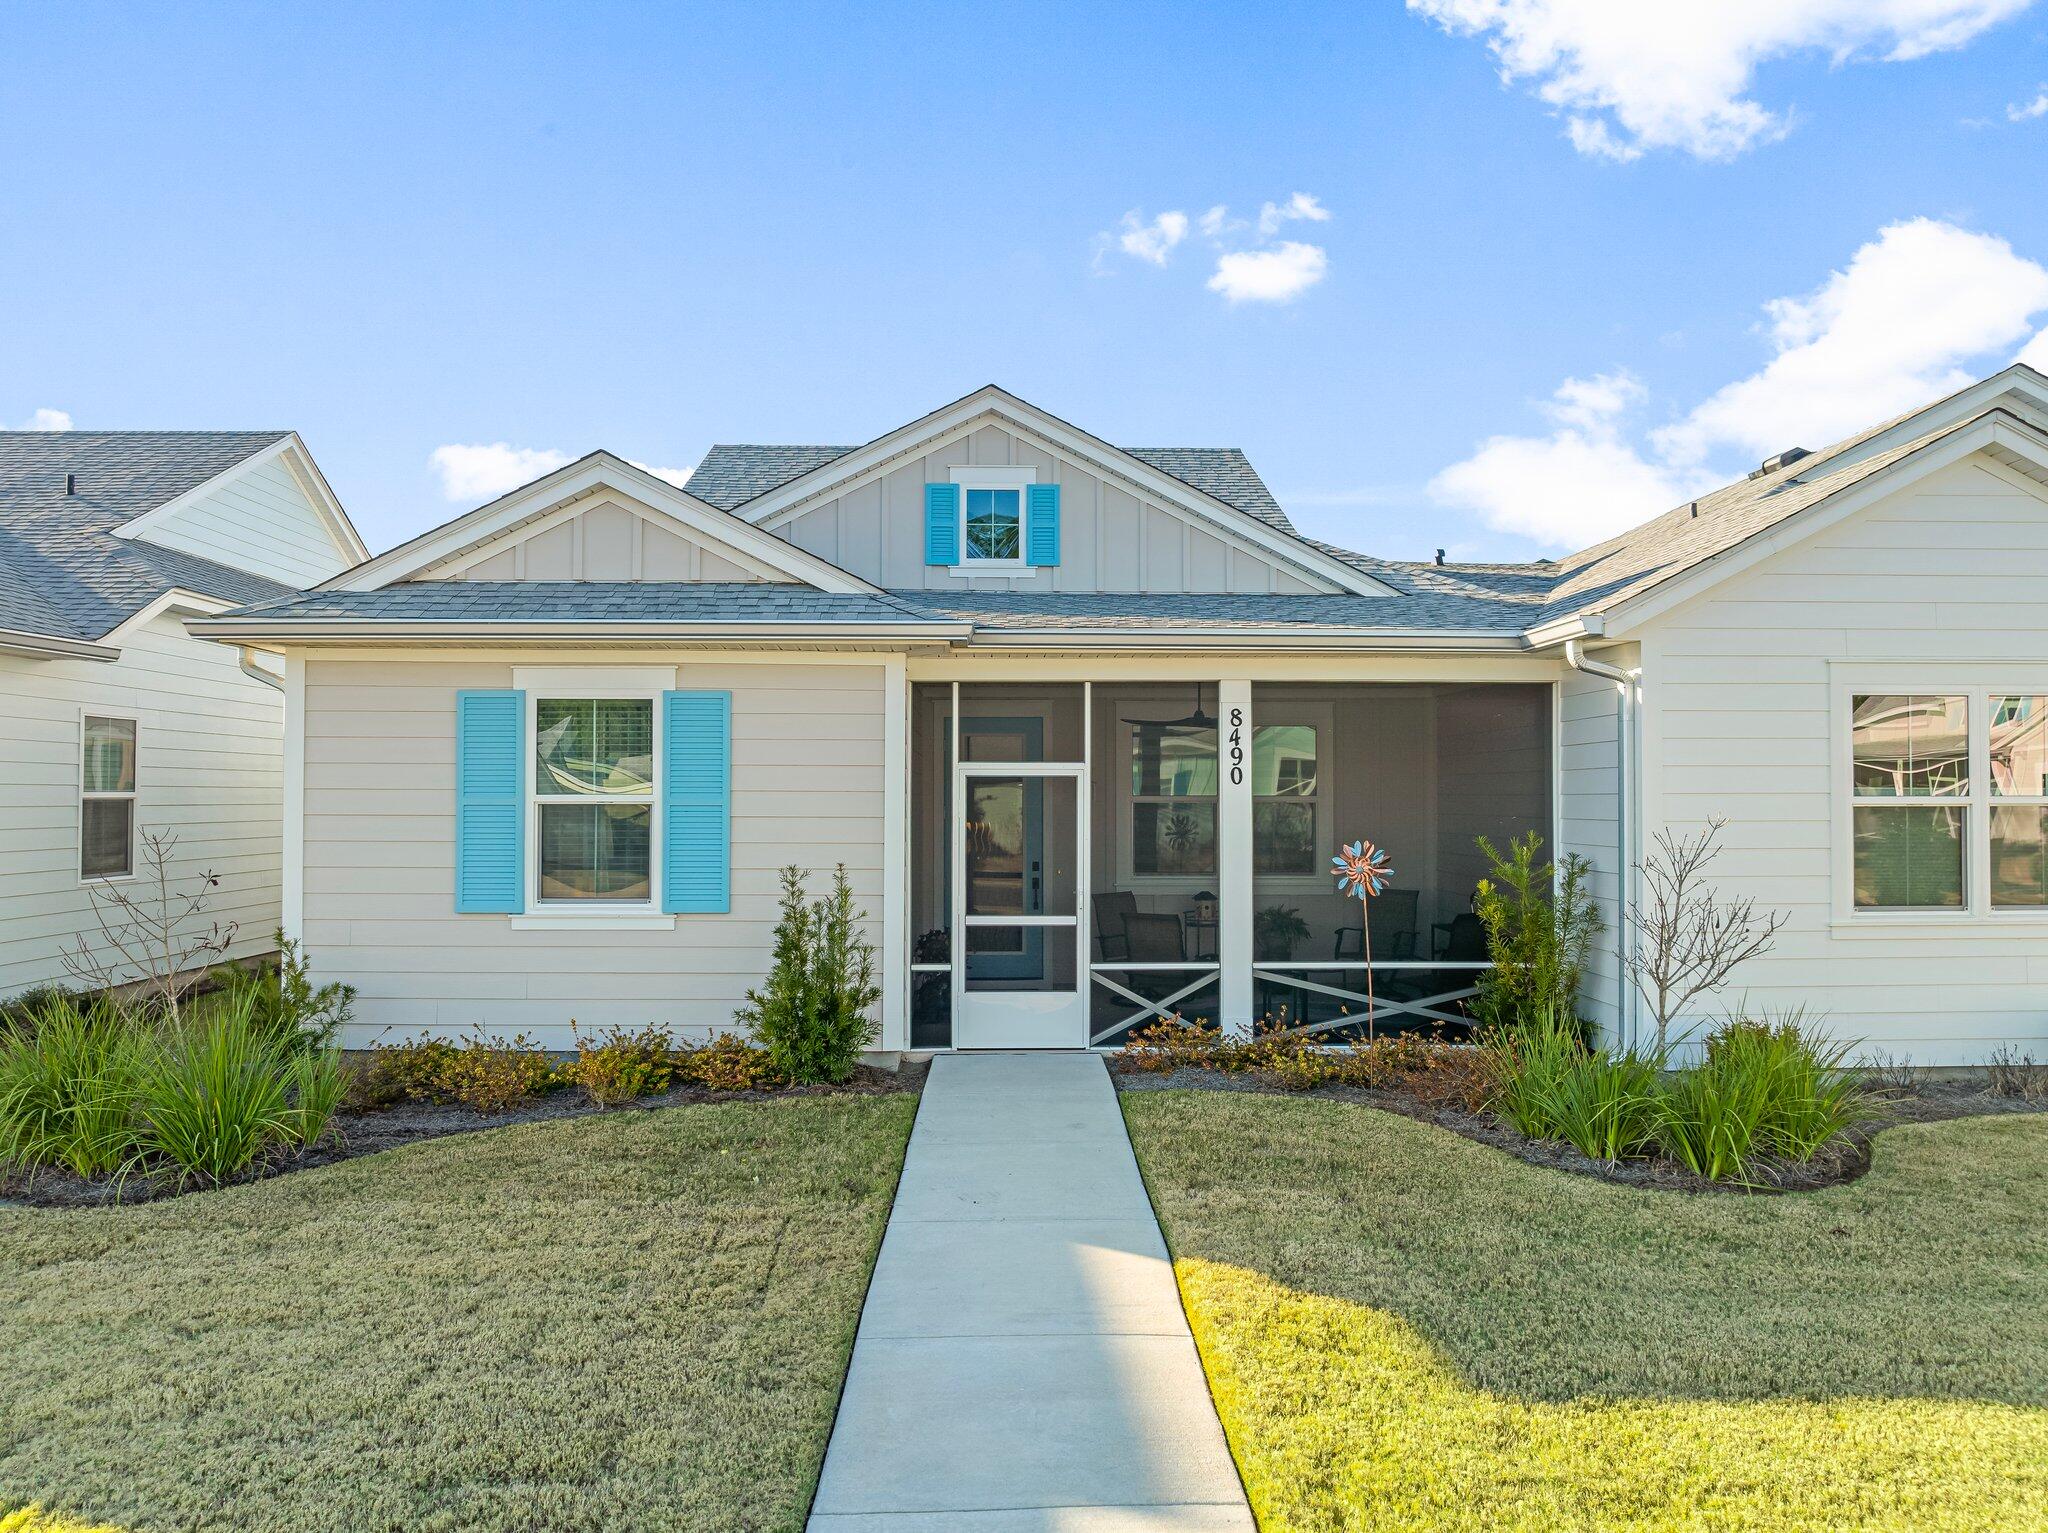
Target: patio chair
1393	929
1111	910
1150	937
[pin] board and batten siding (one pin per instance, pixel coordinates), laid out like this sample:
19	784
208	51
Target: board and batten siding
210	751
1946	575
1112	538
260	521
379	869
601	541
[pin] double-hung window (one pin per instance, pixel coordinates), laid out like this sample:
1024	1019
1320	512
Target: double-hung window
106	798
593	800
1949	800
993	526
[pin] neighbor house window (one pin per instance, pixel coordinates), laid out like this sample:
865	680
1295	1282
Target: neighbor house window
993	526
2019	800
1285	792
1173	800
593	789
1910	778
106	807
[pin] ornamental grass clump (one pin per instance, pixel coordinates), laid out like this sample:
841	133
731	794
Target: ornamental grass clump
1549	1084
216	1092
68	1082
1763	1089
812	1012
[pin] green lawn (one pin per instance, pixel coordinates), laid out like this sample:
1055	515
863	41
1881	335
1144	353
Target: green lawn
634	1321
1406	1330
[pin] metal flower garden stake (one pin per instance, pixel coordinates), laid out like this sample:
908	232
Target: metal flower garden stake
1363	870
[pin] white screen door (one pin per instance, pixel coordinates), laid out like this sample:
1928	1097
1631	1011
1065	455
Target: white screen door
1016	848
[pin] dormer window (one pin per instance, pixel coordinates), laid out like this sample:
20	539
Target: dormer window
994	532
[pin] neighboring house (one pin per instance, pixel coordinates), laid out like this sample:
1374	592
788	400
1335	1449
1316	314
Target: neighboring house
1085	724
113	720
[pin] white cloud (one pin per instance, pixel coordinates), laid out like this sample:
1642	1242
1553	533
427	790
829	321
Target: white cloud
1152	241
483	471
1300	205
1633	75
1279	275
47	419
675	476
2027	111
1887	333
1217	222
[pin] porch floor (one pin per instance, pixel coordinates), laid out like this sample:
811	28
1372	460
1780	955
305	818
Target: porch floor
1023	1361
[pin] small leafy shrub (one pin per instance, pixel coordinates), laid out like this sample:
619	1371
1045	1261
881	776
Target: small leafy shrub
1170	1044
2012	1073
811	1014
68	1083
216	1092
1549	1085
730	1063
479	1072
1538	943
284	1000
618	1066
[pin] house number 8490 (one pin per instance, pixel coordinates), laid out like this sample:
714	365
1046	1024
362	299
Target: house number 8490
1236	747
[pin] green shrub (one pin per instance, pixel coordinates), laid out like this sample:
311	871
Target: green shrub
68	1084
812	1012
1762	1090
1550	1085
730	1063
488	1076
618	1066
19	1014
317	1081
1538	942
216	1093
284	1000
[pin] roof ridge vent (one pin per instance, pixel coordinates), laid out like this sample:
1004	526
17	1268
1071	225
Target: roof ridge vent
1785	459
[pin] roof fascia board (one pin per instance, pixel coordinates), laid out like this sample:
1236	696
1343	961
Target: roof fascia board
177	599
385	630
2018	385
44	646
946	424
1997	427
491	547
1238	639
305	470
573	480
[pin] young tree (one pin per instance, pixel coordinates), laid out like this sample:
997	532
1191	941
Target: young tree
1690	941
811	1013
148	936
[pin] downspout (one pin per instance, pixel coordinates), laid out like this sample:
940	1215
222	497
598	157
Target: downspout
251	669
1627	688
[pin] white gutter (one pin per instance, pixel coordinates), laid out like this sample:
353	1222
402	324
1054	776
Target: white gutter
470	632
43	646
256	672
1628	763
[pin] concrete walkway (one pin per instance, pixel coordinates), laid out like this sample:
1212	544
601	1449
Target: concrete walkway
1023	1362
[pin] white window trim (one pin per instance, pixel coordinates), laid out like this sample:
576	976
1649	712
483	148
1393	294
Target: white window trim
632	684
1979	684
133	795
1018	477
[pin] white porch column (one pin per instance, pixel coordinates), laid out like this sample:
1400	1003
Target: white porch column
1234	852
895	855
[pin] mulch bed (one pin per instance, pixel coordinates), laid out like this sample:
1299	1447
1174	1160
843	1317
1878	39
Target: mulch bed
1931	1102
355	1134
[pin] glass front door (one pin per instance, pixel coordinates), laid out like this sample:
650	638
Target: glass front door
1017	844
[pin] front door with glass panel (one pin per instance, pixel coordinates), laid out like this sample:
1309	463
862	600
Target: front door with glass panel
1016	839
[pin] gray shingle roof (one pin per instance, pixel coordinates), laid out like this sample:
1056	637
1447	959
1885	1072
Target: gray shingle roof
548	601
733	473
62	571
1474	610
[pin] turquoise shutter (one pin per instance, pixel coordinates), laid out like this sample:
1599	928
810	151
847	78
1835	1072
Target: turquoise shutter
696	816
1042	524
490	801
942	524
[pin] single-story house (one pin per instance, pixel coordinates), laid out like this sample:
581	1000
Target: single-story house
114	721
1086	724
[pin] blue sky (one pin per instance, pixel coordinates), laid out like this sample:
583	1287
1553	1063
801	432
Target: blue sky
407	229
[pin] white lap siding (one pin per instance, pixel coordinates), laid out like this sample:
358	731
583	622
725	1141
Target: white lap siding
1589	778
210	744
807	788
1944	575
